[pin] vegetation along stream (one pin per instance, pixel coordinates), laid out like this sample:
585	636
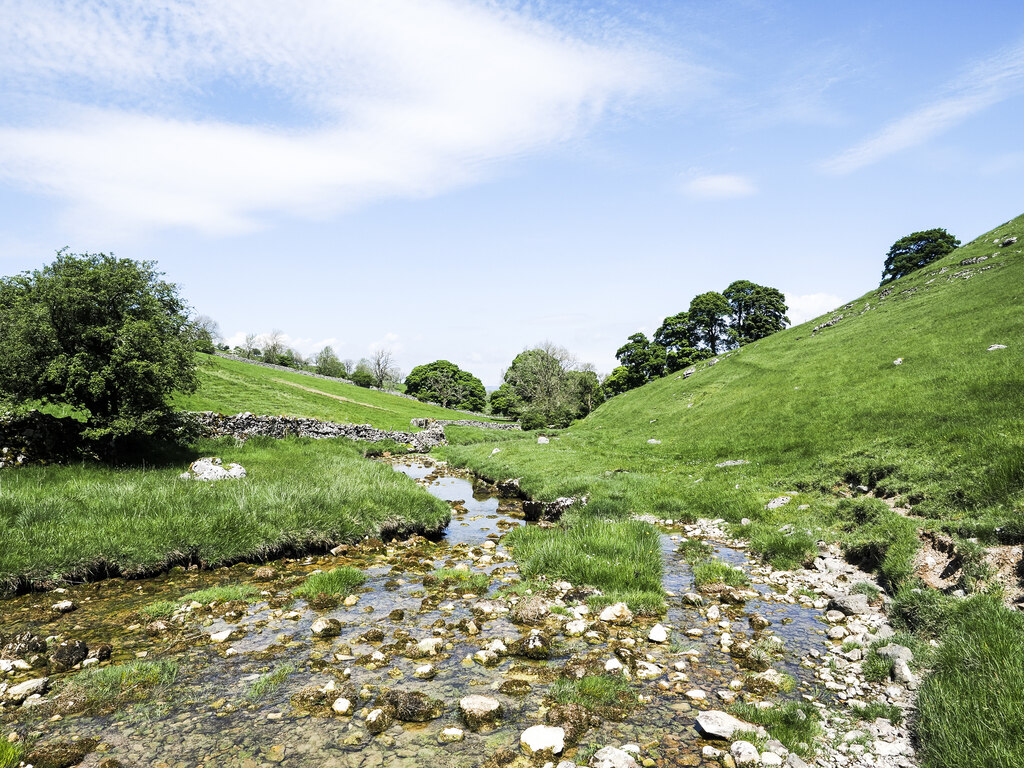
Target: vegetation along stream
368	656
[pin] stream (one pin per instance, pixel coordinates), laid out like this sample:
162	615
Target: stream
210	716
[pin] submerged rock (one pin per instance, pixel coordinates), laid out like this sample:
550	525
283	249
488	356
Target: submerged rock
612	757
410	706
535	645
326	628
479	711
68	654
542	739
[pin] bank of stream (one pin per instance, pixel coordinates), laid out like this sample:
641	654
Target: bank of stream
257	686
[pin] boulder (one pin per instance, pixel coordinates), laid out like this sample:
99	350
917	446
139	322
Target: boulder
68	654
429	646
850	604
479	711
325	628
896	652
212	468
18	693
378	721
542	740
658	634
715	724
451	735
535	645
618	613
744	753
410	706
612	757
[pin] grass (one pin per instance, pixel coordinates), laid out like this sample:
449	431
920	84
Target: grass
716	572
222	594
969	709
866	588
794	723
161	609
876	668
101	687
874	710
595	692
694	550
879	538
230	386
622	558
338	582
269	682
76	521
450	578
10	754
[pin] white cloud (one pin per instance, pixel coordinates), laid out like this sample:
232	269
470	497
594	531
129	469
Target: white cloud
808	306
304	344
985	84
214	115
723	186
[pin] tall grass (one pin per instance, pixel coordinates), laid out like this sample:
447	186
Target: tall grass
337	582
101	686
77	520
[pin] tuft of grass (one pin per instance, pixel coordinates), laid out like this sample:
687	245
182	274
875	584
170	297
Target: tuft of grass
160	609
866	588
850	645
695	550
870	712
594	692
100	687
785	551
622	558
717	572
969	709
794	723
879	538
921	610
269	682
10	754
226	593
338	582
875	668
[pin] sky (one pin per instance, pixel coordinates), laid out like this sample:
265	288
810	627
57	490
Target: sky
464	180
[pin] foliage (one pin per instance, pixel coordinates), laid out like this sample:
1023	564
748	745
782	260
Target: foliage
708	314
449	578
447	385
594	692
678	337
225	593
870	712
794	723
878	537
716	572
10	754
328	364
336	582
269	682
642	360
756	310
100	687
916	250
102	335
544	387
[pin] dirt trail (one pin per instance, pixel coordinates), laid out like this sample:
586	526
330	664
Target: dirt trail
328	394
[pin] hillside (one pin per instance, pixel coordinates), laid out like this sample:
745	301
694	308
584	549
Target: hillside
810	409
230	386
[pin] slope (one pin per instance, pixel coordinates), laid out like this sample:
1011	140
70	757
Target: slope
230	386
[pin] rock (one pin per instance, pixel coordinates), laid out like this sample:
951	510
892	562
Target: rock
794	761
342	706
222	636
64	606
898	361
744	753
542	739
896	652
850	604
542	440
378	721
696	695
714	613
21	645
212	468
531	610
692	598
901	674
1008	241
658	634
487	658
613	665
61	754
576	628
325	628
994	347
100	652
778	501
612	757
68	654
451	735
425	672
652	441
770	758
410	706
535	645
479	711
769	681
618	613
647	671
18	693
429	646
758	622
732	463
716	724
264	573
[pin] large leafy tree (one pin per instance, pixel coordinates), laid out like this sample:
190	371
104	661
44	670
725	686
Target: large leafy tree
756	310
642	360
677	335
708	314
105	336
445	383
916	250
328	364
541	388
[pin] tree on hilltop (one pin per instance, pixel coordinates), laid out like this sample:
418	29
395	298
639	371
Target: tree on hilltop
445	383
107	337
917	250
708	313
328	364
678	336
756	310
643	360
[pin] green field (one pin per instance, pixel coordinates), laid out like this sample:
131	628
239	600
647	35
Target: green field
75	521
230	386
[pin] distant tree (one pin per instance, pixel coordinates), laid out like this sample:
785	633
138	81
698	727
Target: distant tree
328	364
445	383
589	393
677	335
757	310
382	368
347	366
361	374
642	360
543	391
273	347
617	382
504	402
107	337
708	313
249	345
916	250
206	332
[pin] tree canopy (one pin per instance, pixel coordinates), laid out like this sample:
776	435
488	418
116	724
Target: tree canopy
916	250
445	383
708	314
642	360
756	310
544	387
107	337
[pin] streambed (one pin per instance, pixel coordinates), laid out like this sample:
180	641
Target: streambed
209	717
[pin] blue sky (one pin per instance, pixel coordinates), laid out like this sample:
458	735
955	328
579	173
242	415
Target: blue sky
464	180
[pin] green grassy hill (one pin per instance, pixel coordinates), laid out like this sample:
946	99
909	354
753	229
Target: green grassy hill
823	414
230	386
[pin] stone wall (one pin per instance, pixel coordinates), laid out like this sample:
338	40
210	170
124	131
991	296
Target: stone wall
35	437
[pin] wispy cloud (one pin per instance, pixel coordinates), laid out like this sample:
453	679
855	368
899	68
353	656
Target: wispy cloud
985	84
215	115
722	186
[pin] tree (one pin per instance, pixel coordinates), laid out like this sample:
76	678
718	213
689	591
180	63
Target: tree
677	335
361	374
249	346
916	250
328	364
642	360
107	337
589	393
207	333
273	347
708	313
445	383
757	310
504	401
617	382
541	387
385	374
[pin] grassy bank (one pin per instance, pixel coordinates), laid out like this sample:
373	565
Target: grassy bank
86	519
230	386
